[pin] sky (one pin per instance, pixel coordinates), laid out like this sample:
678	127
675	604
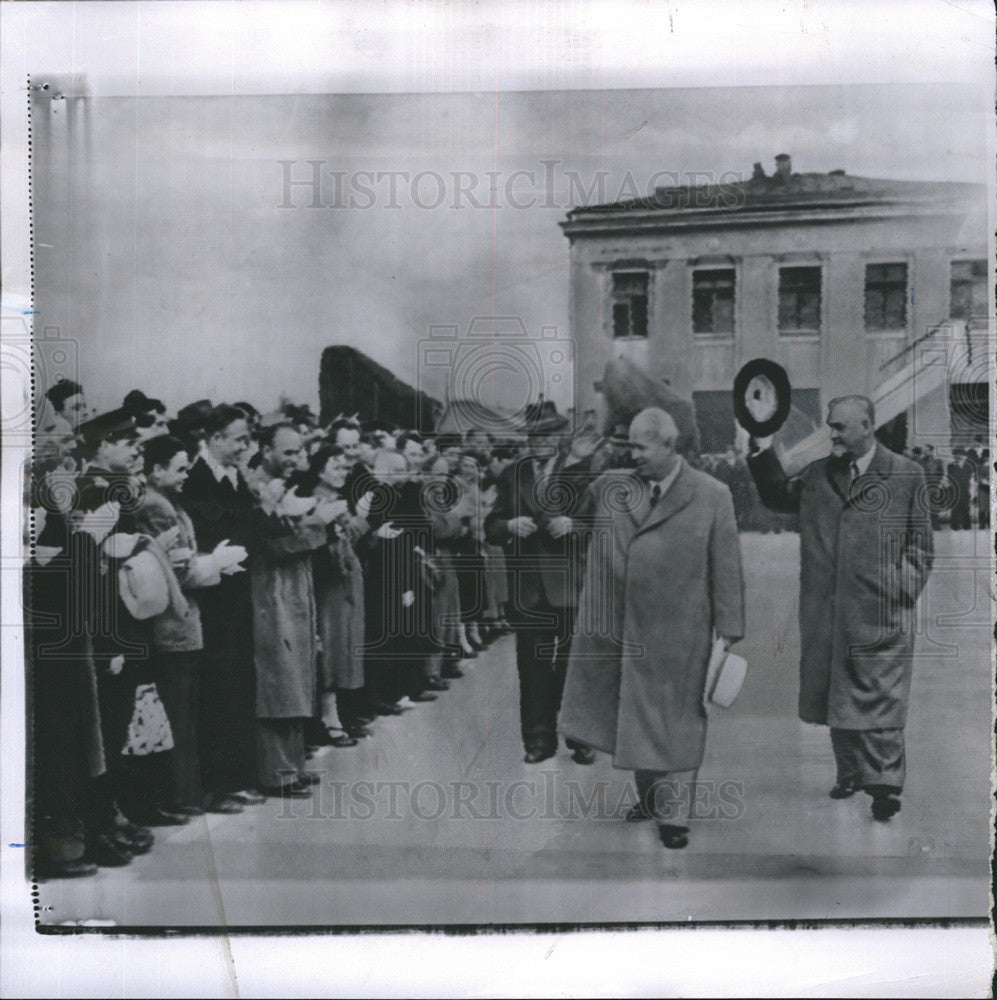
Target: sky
536	106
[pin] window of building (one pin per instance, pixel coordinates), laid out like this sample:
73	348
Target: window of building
885	297
629	304
713	302
968	289
799	300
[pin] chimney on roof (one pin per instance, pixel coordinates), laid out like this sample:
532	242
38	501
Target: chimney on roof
783	165
758	174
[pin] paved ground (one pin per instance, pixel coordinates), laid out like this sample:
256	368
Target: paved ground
463	843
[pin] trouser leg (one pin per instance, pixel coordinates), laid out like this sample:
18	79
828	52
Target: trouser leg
875	759
846	762
59	777
667	795
349	707
281	749
177	680
565	626
535	666
227	716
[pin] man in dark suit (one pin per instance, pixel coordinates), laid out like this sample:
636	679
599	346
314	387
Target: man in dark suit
960	475
539	521
221	508
866	549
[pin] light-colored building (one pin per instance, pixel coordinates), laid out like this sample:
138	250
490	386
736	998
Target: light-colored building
838	278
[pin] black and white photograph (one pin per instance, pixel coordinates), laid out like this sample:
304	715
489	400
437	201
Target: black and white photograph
497	476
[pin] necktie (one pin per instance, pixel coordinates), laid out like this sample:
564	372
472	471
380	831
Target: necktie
854	471
655	494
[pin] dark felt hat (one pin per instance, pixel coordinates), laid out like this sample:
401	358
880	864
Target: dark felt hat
138	402
194	415
543	418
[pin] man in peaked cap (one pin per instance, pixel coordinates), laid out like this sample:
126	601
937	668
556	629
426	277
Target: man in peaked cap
108	442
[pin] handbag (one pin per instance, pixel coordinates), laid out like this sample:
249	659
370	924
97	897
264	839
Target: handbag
724	676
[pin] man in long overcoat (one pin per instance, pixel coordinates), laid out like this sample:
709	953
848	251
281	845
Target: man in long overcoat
663	575
866	550
285	623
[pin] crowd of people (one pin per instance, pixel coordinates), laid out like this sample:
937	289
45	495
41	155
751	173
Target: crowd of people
956	487
212	597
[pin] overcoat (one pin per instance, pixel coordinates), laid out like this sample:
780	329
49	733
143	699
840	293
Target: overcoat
866	550
657	583
284	622
339	601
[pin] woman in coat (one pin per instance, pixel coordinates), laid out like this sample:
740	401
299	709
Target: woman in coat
339	593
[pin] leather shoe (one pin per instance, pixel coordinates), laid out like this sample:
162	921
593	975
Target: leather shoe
582	755
161	817
292	791
451	672
184	810
139	839
423	696
536	756
437	684
638	812
885	806
77	868
103	851
308	778
844	789
344	740
673	837
123	842
383	708
358	732
248	797
224	805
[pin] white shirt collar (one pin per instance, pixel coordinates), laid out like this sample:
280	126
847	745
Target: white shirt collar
219	471
863	463
665	483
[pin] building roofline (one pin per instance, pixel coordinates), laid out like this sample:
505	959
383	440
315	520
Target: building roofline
784	196
690	219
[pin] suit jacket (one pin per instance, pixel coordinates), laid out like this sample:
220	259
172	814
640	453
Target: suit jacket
219	510
541	567
866	549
